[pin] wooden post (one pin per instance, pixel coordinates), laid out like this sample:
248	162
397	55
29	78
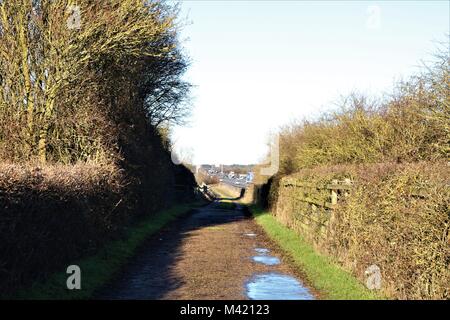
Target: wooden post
334	194
348	182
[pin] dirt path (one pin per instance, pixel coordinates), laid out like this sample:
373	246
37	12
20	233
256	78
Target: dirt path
206	255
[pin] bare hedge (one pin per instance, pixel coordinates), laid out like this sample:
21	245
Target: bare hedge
395	216
53	215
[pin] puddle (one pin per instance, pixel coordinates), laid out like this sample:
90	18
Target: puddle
276	286
267	260
250	234
262	250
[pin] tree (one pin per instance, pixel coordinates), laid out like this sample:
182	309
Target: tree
51	72
164	92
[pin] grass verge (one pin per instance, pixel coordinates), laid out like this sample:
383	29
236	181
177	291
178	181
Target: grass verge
328	278
100	268
224	192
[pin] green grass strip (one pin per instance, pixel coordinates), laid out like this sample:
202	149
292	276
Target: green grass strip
99	269
331	280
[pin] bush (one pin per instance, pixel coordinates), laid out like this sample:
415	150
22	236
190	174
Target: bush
396	216
411	125
52	215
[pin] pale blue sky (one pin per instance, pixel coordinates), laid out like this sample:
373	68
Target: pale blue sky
259	64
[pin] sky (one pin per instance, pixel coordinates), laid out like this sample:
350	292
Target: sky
257	65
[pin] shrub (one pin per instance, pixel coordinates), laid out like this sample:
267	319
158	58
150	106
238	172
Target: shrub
396	216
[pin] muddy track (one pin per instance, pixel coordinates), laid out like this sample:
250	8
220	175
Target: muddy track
204	255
